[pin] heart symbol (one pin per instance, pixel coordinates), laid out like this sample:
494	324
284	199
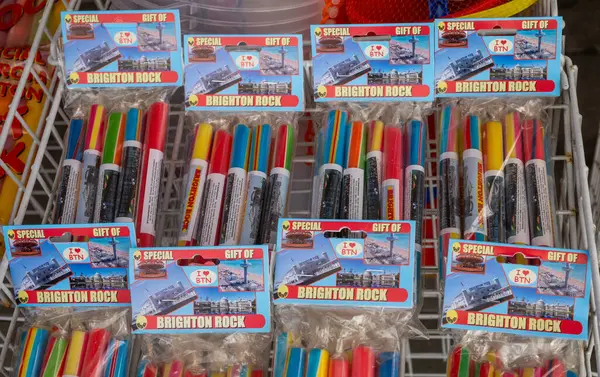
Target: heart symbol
503	41
77	250
525	272
352	244
127	34
378	47
206	272
248	57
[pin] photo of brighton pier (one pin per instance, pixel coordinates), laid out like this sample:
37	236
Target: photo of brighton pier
211	301
157	36
86	277
562	279
387	248
528	303
472	292
105	252
535	44
279	61
242	275
409	50
213	81
463	63
44	275
81	57
167	299
304	268
356	274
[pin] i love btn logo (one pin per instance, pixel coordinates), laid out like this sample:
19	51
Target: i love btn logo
349	249
203	277
522	276
246	62
500	46
75	254
376	51
125	38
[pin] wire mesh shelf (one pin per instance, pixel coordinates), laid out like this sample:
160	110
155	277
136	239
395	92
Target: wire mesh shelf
37	188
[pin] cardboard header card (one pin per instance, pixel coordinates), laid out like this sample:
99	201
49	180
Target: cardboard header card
498	57
347	263
200	290
122	49
62	265
244	72
366	63
523	290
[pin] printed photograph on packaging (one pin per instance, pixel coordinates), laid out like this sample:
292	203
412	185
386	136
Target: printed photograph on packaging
109	252
150	269
506	68
464	262
330	43
307	266
210	78
163	296
382	73
80	57
279	61
25	248
355	273
453	38
202	54
134	60
253	82
528	303
80	31
86	277
339	69
297	239
47	269
462	63
157	36
475	292
387	248
241	275
562	279
535	44
409	50
212	301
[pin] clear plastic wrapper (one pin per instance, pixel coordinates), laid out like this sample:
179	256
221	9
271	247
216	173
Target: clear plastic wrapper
59	342
203	355
493	175
341	342
237	195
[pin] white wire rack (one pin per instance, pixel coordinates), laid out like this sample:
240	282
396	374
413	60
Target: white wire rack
38	185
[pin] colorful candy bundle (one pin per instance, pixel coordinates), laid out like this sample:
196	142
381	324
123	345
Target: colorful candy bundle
82	347
112	164
202	311
345	297
493	161
238	194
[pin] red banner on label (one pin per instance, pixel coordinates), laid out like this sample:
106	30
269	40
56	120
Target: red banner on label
209	321
119	17
48	232
245	100
304	292
496	86
373	91
336	226
513	322
119	78
93	297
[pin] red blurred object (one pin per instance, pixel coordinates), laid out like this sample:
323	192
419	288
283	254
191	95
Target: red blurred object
393	11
